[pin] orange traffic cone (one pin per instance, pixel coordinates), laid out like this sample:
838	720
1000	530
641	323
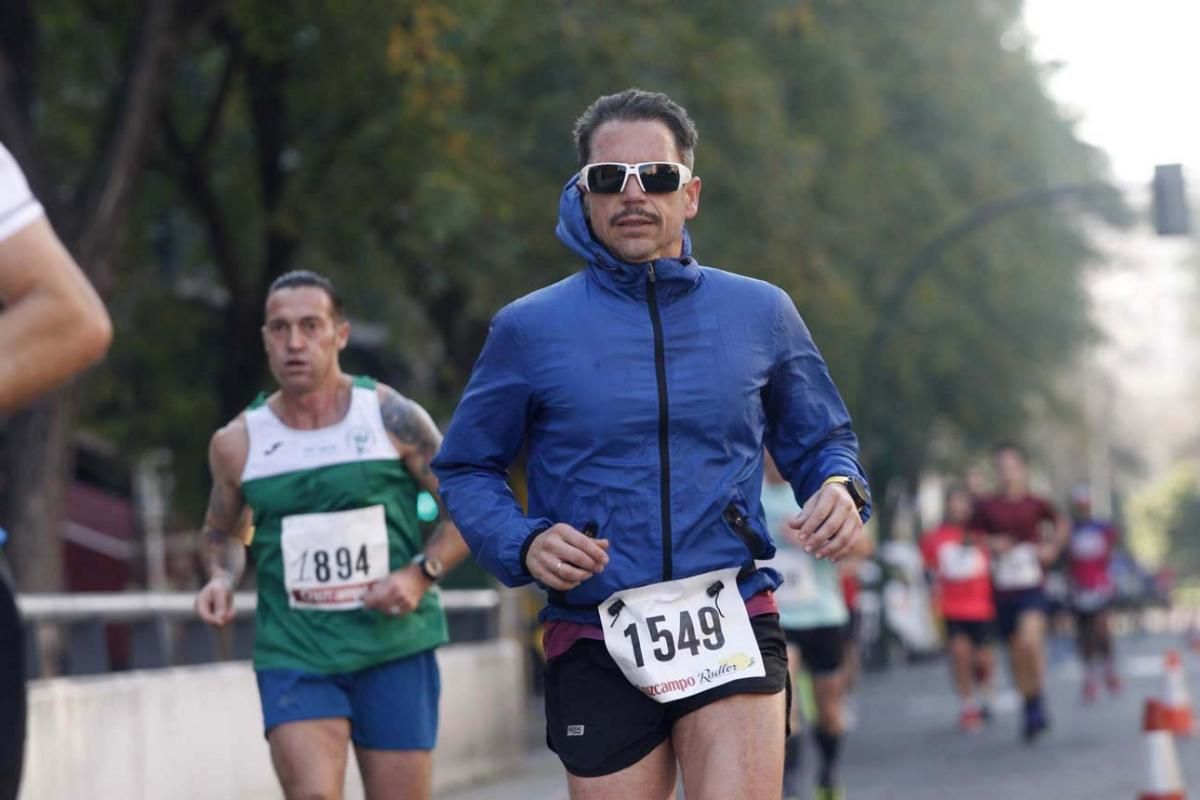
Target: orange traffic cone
1163	779
1177	700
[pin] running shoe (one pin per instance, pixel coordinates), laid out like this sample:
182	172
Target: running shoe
1035	723
971	719
829	793
1091	691
1113	681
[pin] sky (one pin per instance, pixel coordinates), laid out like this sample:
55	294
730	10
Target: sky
1131	71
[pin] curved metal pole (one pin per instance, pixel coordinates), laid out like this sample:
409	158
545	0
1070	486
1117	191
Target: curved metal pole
925	260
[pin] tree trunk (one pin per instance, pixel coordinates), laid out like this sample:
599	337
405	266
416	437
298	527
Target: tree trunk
37	459
37	454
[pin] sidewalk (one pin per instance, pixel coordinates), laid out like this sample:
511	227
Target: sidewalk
540	777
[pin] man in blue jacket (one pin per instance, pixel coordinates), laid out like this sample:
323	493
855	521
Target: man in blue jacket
643	390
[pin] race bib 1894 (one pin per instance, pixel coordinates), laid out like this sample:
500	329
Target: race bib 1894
330	560
678	638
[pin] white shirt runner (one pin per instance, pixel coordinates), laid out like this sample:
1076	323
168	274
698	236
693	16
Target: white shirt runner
679	638
330	560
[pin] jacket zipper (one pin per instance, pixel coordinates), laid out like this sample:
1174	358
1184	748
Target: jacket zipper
664	455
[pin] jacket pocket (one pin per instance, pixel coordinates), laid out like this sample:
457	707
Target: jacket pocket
738	522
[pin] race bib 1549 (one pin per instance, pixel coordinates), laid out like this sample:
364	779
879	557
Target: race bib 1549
678	638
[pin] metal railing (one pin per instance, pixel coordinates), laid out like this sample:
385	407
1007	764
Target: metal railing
130	606
87	633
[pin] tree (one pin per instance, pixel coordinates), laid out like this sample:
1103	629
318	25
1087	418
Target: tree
415	151
87	195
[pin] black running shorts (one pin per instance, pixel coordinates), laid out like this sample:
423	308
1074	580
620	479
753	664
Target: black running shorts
981	632
822	649
598	723
12	691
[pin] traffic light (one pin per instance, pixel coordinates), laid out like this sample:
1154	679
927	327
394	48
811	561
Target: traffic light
1171	214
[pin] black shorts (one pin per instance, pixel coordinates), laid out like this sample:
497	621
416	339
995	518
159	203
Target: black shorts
853	627
981	632
822	649
12	692
1086	617
1012	605
599	723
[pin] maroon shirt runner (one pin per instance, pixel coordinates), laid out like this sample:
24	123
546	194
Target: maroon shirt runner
1021	519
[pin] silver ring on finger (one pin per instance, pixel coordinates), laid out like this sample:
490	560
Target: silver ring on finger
558	566
394	611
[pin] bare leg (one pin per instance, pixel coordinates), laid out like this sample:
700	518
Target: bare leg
1029	652
961	667
732	748
310	758
396	774
985	670
830	725
794	746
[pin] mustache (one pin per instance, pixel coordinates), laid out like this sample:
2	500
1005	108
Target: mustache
633	212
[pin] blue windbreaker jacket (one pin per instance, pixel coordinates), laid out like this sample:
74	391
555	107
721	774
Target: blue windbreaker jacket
643	395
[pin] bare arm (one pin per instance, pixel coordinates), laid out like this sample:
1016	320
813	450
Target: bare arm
417	439
225	523
227	516
53	325
1060	537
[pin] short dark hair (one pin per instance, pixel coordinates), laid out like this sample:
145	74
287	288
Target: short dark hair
636	105
303	277
1001	447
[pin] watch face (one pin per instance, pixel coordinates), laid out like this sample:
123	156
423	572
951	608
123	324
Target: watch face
433	568
860	490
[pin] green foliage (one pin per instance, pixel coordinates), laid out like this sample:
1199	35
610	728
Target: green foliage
415	151
1164	518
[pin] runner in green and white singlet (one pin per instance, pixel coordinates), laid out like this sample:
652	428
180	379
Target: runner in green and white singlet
328	470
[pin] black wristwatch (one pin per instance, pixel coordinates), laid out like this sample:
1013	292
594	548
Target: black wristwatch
431	568
860	493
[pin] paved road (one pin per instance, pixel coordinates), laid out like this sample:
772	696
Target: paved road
906	745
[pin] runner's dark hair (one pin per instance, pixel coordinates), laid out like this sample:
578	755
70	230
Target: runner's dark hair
303	277
636	105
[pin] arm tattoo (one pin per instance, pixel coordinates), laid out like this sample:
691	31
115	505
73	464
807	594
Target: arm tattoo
411	425
223	553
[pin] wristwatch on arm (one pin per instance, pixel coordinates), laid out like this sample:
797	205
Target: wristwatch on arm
860	493
431	567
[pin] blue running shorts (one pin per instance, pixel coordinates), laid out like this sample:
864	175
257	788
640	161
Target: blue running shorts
392	706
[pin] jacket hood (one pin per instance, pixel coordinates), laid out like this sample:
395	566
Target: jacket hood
674	275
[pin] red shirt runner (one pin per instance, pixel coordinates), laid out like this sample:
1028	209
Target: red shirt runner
964	587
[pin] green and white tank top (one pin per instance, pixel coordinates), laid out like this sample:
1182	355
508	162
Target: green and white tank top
811	594
335	510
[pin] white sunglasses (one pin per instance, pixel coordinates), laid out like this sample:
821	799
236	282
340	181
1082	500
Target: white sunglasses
655	177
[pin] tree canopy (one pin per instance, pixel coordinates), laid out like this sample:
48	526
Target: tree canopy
415	151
